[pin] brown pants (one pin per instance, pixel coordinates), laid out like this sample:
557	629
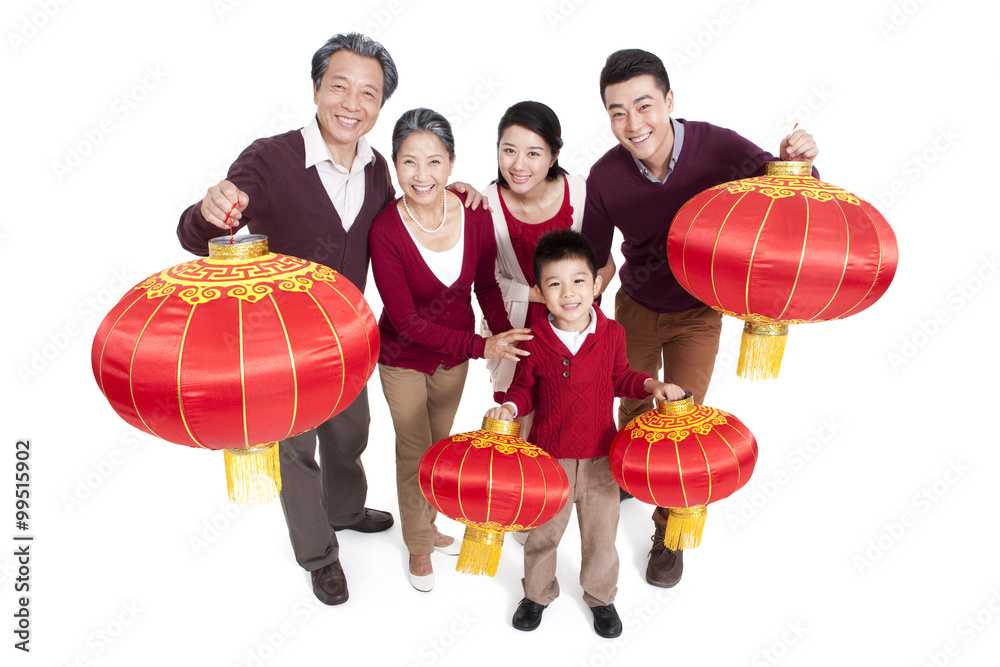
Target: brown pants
316	496
687	343
594	492
423	410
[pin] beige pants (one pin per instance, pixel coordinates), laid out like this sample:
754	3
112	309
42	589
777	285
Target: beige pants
594	492
423	410
687	342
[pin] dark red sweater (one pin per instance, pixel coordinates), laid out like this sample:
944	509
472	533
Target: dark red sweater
424	323
573	396
619	196
289	204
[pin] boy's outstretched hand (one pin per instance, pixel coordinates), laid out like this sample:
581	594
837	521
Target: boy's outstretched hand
664	391
501	412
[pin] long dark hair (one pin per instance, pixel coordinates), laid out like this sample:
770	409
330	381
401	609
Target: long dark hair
541	120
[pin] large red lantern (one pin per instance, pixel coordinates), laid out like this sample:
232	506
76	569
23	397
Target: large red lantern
683	456
235	352
493	482
781	249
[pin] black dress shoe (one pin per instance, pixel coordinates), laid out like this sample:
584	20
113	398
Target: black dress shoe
665	566
528	615
330	584
374	521
606	621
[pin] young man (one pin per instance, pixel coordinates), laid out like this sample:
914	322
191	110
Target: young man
575	367
638	187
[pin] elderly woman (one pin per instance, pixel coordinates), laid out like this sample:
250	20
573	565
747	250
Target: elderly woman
428	254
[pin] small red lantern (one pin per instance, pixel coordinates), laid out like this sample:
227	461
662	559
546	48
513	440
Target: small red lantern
780	249
683	456
493	482
235	352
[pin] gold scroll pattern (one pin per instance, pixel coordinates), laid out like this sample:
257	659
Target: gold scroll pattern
654	427
505	444
200	281
779	187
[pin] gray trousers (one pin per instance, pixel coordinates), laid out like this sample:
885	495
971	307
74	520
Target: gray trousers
316	496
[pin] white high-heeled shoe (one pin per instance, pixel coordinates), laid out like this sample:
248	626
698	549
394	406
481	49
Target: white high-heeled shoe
452	549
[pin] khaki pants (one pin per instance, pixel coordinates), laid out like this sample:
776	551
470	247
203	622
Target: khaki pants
684	344
594	492
423	410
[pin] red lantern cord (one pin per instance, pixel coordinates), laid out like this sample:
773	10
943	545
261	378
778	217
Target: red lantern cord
232	236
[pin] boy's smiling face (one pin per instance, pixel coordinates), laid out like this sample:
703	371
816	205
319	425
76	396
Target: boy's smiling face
568	289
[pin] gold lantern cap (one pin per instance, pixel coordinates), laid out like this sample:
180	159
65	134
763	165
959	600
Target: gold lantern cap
501	426
780	168
238	249
679	407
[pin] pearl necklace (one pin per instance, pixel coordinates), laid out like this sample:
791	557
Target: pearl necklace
444	217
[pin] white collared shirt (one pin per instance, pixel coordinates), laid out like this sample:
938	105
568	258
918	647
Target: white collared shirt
678	142
346	189
573	340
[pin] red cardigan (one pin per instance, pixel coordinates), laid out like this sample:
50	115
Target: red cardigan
573	396
424	323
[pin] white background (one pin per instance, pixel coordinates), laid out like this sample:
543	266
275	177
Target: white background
866	535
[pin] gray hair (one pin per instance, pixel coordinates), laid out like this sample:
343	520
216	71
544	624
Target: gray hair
423	120
359	45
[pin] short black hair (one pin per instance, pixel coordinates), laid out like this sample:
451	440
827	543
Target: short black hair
359	45
561	244
627	64
540	119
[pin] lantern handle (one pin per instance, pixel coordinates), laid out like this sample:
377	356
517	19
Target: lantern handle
501	426
679	407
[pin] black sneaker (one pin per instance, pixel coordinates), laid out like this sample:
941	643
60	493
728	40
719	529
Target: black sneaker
606	621
529	615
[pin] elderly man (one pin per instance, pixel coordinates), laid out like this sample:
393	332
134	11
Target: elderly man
314	192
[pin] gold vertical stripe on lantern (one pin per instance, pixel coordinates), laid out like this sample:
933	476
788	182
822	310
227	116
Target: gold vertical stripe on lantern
480	552
684	527
253	474
761	350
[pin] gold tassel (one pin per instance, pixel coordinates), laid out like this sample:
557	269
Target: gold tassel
684	527
761	350
253	474
480	552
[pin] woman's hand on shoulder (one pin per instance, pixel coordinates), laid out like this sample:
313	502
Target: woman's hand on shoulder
473	197
504	345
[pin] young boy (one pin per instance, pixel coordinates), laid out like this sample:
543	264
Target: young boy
575	368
